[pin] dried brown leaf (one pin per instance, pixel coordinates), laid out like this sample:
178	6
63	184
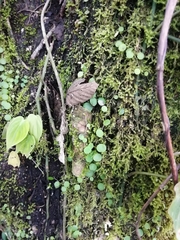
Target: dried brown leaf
80	93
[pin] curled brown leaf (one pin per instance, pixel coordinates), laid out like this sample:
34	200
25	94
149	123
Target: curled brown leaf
80	93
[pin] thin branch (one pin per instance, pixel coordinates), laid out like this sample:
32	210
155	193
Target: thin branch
41	44
162	47
63	127
150	200
41	83
47	197
49	110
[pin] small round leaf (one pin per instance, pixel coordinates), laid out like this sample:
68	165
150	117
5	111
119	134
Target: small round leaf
99	133
57	184
101	148
97	157
93	167
140	55
77	187
106	122
104	109
101	186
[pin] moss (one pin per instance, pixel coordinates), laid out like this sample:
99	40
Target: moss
134	140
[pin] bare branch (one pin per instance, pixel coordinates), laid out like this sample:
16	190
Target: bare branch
162	47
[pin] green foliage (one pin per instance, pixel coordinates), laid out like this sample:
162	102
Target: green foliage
174	211
24	133
118	46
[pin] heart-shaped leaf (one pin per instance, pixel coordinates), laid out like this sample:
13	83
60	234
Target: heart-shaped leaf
27	145
17	130
35	126
80	93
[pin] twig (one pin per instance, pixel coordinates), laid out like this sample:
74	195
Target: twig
150	200
29	10
63	127
41	44
41	82
49	110
162	48
160	25
47	197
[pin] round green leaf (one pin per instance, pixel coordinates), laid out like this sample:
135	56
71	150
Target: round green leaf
147	226
80	180
127	238
1	68
109	195
104	109
77	187
106	122
87	149
129	53
76	234
115	97
80	74
121	29
5	96
6	105
63	189
118	43
4	90
93	101
99	133
89	158
57	184
84	140
91	179
89	173
88	106
140	232
81	137
97	157
101	186
7	117
2	61
121	111
93	167
101	101
137	71
66	184
101	148
140	55
5	84
122	47
146	74
17	131
110	202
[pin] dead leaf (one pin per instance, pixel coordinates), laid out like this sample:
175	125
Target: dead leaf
80	93
79	120
13	159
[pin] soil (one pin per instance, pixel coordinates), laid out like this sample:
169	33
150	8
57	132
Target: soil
37	189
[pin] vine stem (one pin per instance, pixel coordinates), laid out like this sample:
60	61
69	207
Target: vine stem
150	200
162	48
63	126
